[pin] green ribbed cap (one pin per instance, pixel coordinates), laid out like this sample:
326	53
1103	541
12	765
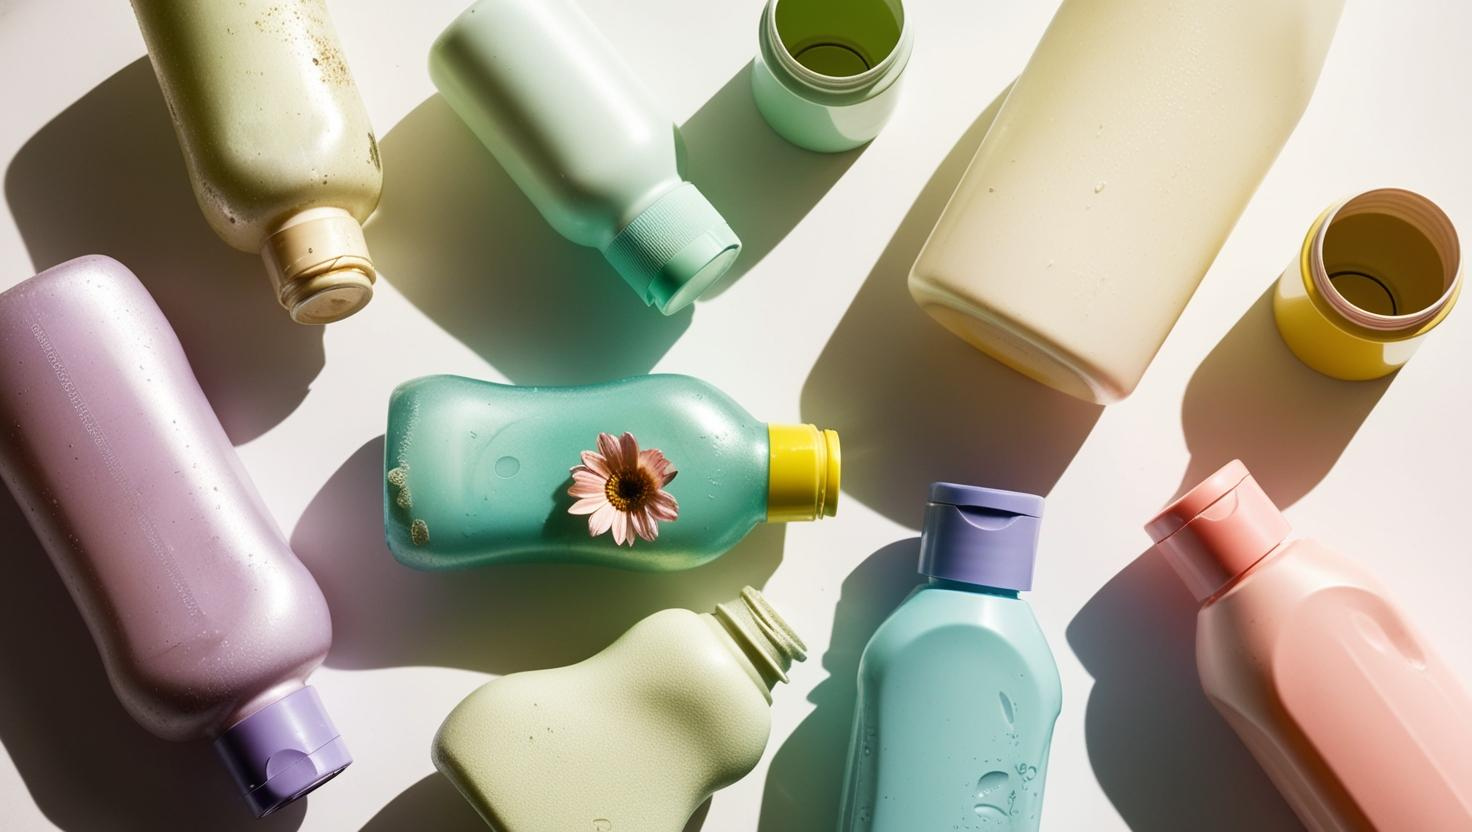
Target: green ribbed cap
674	250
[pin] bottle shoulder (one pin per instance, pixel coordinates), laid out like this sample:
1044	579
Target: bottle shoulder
947	625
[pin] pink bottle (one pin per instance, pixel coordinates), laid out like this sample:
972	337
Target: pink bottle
1345	706
207	623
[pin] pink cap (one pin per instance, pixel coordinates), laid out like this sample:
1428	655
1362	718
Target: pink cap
1218	529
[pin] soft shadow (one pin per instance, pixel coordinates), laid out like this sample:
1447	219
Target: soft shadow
106	177
1252	399
433	804
497	619
915	403
1162	754
461	241
87	765
805	780
762	184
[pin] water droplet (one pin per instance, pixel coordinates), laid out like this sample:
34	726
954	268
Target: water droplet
988	812
1100	186
991	784
1008	711
507	466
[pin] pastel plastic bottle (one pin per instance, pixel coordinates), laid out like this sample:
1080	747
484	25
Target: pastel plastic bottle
277	141
634	738
958	691
478	473
1111	177
1346	707
207	624
577	131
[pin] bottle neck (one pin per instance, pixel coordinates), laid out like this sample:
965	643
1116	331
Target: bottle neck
803	473
975	589
760	634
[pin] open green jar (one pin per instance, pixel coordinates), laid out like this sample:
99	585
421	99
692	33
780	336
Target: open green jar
827	75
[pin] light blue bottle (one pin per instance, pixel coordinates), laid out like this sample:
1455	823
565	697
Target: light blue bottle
958	691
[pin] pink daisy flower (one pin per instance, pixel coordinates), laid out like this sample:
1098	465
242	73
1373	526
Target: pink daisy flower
621	489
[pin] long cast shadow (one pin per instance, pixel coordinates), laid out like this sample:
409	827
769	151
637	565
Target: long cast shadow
916	404
805	780
86	763
1164	756
497	619
1253	400
761	183
433	804
106	177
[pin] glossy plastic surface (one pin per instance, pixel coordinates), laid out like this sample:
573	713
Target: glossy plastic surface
267	114
958	694
201	612
486	470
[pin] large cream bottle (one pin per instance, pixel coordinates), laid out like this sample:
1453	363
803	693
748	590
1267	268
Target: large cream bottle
276	139
1111	177
633	739
1349	711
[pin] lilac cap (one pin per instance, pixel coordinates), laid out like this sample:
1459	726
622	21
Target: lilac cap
982	536
283	751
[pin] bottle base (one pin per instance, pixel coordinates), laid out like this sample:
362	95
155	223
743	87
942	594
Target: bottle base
1022	351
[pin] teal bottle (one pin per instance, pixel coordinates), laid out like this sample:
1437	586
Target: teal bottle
958	691
658	472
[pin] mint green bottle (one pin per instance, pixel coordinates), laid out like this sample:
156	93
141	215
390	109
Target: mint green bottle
573	126
477	472
958	691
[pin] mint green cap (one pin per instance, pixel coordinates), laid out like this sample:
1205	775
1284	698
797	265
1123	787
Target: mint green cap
674	250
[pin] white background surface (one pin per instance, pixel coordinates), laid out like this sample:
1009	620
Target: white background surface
819	328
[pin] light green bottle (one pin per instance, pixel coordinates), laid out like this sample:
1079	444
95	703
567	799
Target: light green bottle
577	131
633	739
477	472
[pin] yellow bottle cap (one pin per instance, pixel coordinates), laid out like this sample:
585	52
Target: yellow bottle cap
319	265
804	473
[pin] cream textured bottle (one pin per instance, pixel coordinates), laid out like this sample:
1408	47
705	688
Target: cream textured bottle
277	142
633	739
1112	175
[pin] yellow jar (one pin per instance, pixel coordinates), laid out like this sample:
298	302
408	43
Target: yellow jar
1376	273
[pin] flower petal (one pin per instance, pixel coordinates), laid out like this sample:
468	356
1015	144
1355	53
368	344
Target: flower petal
630	448
584	480
601	520
588	505
645	525
613	454
594	461
620	527
664	506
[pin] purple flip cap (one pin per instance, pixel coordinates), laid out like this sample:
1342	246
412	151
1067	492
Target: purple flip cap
283	751
982	536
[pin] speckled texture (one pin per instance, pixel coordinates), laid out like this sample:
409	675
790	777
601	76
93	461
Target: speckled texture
266	111
200	610
633	739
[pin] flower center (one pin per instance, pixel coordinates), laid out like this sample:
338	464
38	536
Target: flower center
629	491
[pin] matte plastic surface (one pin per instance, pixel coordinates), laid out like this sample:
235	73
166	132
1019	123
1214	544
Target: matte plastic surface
634	738
1111	177
958	694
